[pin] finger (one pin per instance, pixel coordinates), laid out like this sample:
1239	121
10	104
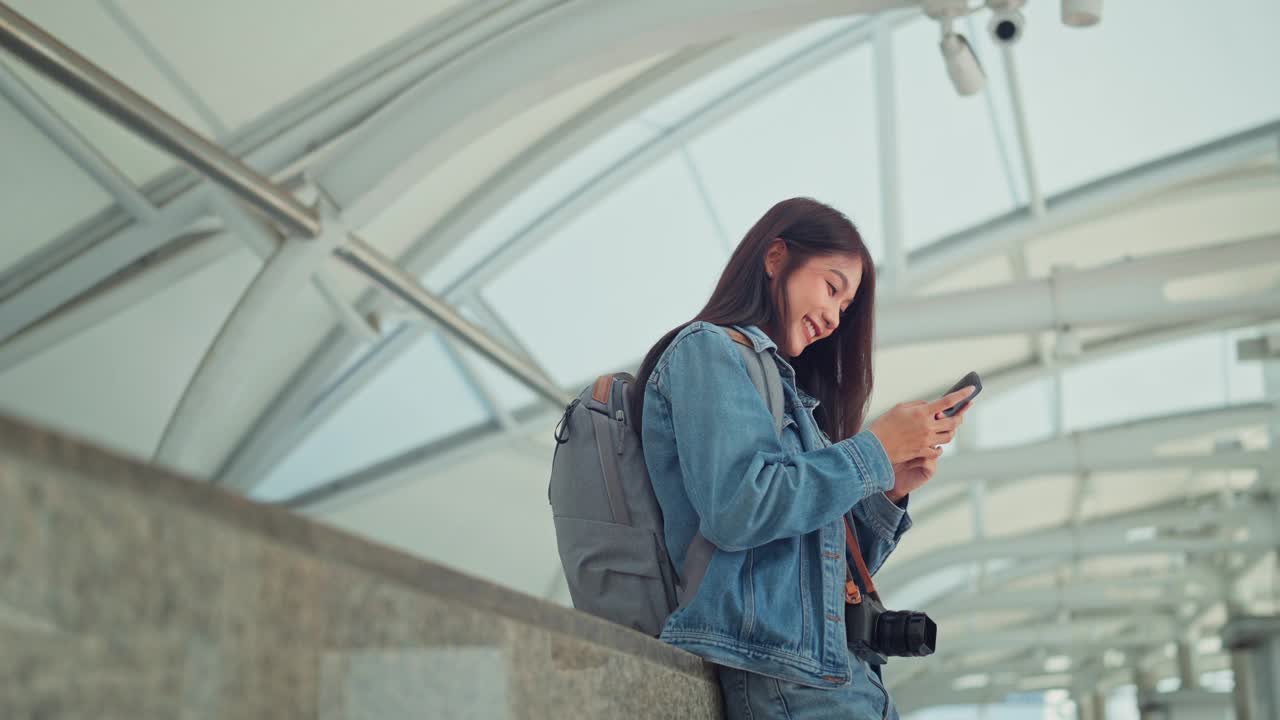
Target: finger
943	438
931	453
950	400
945	424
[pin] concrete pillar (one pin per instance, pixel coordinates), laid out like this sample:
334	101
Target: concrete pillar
1084	708
1254	643
1098	704
1145	686
1186	667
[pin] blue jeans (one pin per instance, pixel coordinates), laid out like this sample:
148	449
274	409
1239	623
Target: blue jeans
748	696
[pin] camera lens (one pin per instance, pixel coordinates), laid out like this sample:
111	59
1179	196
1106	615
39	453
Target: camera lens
906	634
1006	30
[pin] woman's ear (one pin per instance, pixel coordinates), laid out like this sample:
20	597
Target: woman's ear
775	257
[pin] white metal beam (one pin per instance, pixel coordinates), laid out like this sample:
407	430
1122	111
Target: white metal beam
1001	379
355	324
484	394
890	163
105	93
1225	154
431	457
1036	201
604	115
538	417
217	388
593	189
107	242
1182	528
1124	293
283	427
1084	663
46	292
251	460
299	127
1090	201
995	684
162	65
296	410
375	266
1088	593
187	255
76	146
1127	446
544	54
1137	631
1214	585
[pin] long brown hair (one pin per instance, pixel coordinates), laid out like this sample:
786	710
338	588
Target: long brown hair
837	369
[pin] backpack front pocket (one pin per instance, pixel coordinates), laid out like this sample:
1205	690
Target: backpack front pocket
616	572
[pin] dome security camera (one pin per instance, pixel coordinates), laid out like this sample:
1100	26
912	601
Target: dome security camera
962	64
1007	26
1081	13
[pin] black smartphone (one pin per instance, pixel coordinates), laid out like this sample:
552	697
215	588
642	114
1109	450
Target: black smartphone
970	379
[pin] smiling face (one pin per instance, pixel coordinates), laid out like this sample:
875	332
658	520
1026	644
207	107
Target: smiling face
818	292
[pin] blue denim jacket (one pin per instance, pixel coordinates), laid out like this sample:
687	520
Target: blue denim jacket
772	599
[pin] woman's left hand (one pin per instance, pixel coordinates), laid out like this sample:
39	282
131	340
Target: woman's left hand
910	475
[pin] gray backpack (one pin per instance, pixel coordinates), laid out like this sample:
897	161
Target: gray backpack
608	523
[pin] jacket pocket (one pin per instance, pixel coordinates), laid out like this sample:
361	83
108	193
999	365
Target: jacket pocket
616	572
775	588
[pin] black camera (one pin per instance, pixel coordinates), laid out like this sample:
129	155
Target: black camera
877	634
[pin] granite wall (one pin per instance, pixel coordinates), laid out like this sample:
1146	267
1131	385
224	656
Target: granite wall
130	592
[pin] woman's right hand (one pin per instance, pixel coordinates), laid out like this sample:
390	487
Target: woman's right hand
915	429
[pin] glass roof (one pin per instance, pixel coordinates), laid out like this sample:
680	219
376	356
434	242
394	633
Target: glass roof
622	238
674	221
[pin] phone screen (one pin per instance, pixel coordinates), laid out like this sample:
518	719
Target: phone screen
969	379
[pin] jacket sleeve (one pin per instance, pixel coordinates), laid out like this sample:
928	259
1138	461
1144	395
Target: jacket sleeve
879	525
746	488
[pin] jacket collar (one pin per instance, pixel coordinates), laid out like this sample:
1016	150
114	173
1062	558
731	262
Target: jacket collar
758	338
761	341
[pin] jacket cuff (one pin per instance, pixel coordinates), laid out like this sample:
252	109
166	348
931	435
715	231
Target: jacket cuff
880	513
872	461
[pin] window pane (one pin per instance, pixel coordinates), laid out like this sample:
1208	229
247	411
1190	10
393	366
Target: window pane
416	399
597	295
814	137
1184	74
1194	373
953	174
1015	417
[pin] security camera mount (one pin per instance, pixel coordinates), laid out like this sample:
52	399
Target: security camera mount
1007	21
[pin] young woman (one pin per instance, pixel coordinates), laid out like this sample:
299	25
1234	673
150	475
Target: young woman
770	607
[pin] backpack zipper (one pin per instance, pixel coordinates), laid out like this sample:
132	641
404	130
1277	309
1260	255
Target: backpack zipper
617	414
561	433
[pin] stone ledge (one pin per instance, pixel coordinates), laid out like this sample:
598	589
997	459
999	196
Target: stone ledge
109	564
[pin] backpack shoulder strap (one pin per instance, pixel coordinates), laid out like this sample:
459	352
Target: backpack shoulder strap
764	375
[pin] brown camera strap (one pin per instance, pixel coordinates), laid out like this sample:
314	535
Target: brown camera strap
852	595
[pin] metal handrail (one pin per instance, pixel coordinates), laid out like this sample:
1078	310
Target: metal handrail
374	265
73	71
69	69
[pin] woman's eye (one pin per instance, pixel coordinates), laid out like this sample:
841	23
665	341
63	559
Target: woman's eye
831	289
